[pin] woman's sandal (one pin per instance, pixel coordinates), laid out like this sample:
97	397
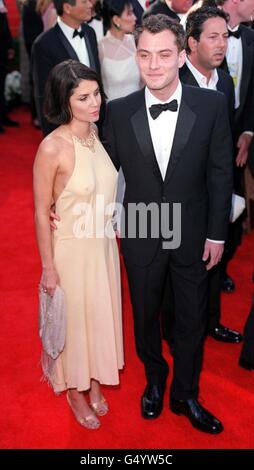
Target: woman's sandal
89	422
100	407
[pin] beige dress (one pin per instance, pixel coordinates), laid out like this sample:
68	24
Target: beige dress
89	271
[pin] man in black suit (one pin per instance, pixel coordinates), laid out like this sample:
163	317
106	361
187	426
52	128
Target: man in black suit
206	45
175	9
6	54
240	64
170	149
70	38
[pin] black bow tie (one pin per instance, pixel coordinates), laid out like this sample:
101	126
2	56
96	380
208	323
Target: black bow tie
78	33
236	34
156	109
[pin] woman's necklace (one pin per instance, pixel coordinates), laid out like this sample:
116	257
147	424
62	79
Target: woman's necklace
88	142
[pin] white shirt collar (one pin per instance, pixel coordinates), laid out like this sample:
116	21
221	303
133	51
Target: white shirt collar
67	30
151	99
202	79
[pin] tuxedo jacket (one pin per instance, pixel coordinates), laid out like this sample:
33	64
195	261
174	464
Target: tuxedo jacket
51	48
199	173
224	85
244	115
160	7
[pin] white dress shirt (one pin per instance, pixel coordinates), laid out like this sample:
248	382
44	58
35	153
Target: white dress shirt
202	79
78	43
163	128
234	57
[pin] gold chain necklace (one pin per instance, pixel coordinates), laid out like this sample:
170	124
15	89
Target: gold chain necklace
88	141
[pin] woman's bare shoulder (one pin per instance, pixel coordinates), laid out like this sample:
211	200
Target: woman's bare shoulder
53	146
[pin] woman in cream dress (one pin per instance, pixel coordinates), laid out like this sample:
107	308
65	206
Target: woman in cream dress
73	170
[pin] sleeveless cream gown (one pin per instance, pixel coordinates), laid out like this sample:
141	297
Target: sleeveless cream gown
89	272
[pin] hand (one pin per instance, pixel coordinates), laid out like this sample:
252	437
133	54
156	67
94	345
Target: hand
213	252
52	217
49	280
243	144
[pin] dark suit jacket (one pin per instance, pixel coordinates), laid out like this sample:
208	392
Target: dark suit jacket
32	24
244	115
51	48
225	85
6	41
138	10
160	7
199	173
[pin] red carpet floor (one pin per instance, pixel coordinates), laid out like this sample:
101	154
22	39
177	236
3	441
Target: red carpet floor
31	416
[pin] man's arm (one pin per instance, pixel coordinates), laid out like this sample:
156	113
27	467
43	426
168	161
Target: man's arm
220	173
41	66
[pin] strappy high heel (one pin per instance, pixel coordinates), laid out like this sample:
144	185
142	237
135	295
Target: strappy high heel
89	422
101	407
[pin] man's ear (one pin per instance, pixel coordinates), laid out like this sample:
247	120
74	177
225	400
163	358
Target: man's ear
192	43
181	58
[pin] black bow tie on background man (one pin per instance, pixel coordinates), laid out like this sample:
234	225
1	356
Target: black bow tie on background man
236	34
156	109
78	33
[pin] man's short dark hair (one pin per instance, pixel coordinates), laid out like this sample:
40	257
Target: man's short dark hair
196	19
62	81
58	4
155	24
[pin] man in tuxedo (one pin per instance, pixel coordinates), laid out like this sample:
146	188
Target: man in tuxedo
239	64
206	45
175	9
70	38
171	150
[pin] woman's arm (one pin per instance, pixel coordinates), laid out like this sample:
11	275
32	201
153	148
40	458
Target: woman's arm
44	174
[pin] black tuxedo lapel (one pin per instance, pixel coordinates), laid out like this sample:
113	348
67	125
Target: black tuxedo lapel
248	52
71	53
184	125
141	130
187	77
88	47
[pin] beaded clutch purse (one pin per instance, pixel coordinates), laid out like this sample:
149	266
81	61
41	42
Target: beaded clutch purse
52	322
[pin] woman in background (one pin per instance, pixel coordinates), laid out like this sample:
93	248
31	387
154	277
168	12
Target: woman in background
119	71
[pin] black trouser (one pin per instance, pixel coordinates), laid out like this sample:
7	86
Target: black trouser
189	285
3	72
247	352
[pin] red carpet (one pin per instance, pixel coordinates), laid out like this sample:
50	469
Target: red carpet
31	416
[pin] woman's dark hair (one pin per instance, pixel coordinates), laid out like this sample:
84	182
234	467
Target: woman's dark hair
62	80
111	8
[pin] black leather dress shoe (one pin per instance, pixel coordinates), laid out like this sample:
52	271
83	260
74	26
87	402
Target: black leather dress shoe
152	402
227	284
10	122
245	364
222	333
199	417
